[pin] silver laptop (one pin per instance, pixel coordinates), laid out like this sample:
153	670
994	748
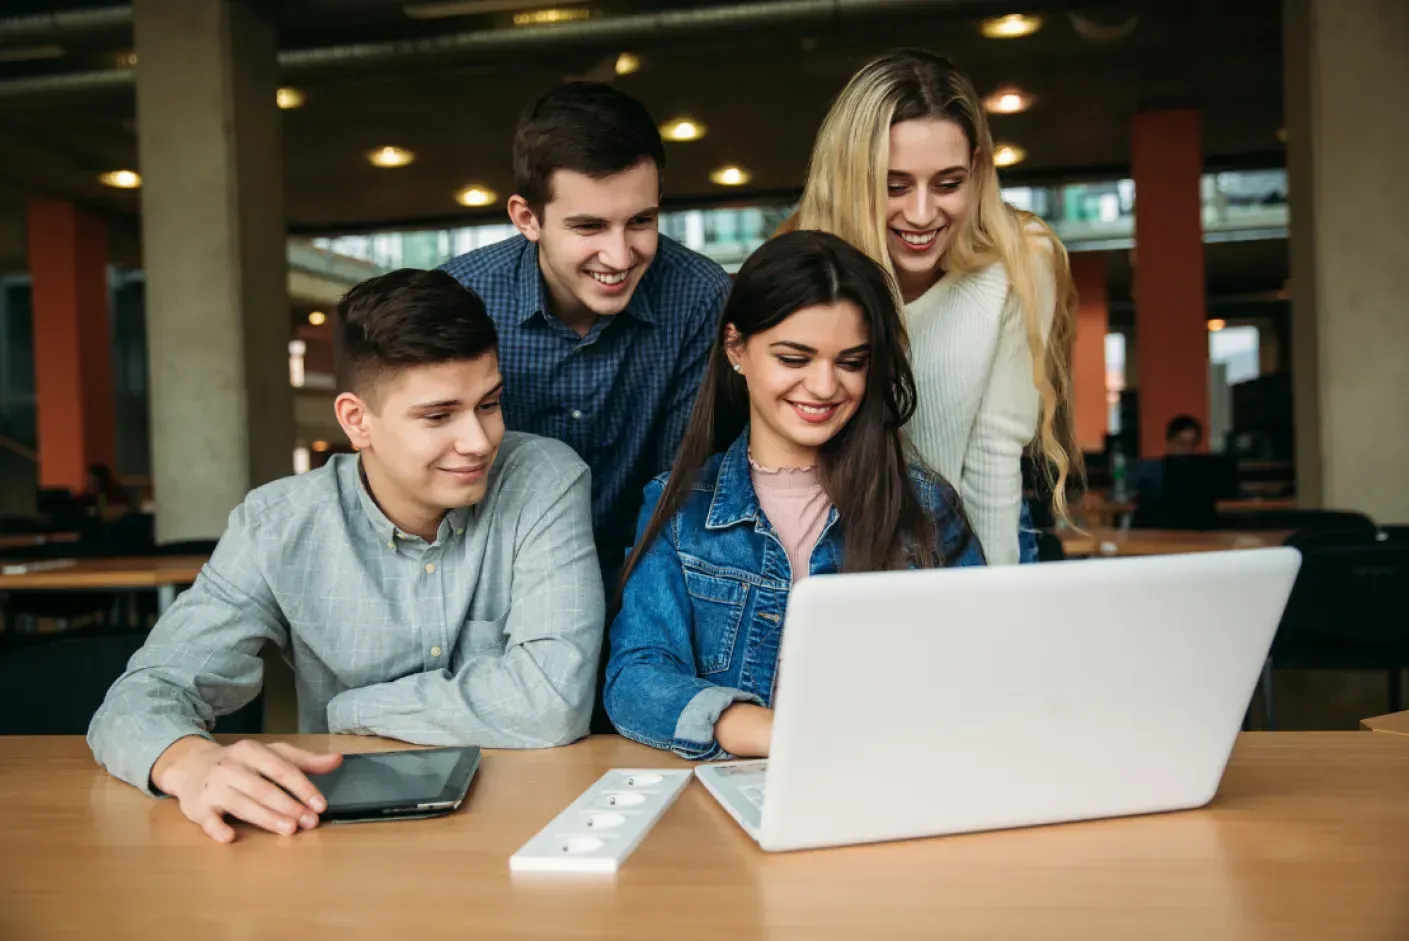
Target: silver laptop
913	704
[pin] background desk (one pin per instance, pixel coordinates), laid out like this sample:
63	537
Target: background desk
1308	839
1128	542
162	573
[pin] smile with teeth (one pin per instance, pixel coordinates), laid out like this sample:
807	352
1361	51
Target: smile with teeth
808	408
609	279
917	238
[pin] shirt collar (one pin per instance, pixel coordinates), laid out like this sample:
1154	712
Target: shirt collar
735	501
453	526
530	294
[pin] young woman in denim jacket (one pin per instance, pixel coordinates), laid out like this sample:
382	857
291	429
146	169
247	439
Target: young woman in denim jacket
793	465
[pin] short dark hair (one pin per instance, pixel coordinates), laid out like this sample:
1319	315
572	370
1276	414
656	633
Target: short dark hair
587	127
1182	423
408	318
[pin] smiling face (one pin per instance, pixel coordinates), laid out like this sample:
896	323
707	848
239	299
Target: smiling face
929	196
806	378
428	436
596	238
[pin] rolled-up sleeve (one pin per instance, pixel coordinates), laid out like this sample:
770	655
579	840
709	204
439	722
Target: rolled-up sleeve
535	692
200	662
653	693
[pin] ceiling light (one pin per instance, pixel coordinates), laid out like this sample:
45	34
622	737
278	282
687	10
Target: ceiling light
626	63
317	318
121	179
289	98
1007	101
390	156
1005	155
730	176
1216	324
1011	26
476	195
320	446
127	60
550	16
682	129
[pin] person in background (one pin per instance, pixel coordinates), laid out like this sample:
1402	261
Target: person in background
793	465
104	491
1183	435
604	324
903	169
439	587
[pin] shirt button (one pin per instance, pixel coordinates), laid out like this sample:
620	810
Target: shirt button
435	651
391	545
430	568
576	414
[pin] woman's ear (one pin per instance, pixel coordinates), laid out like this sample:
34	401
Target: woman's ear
733	347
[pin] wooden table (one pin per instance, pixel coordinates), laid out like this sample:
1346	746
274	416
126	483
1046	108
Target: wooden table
1308	839
163	573
30	540
1128	542
1099	510
1395	722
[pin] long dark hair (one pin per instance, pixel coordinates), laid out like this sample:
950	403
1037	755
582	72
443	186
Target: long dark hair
864	467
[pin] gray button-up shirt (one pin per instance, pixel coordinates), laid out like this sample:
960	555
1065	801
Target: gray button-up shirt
488	636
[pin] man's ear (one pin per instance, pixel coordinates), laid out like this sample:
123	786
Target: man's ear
353	415
523	217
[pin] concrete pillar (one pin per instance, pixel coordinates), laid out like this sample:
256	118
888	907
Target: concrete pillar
1171	322
73	375
213	242
1090	409
1347	146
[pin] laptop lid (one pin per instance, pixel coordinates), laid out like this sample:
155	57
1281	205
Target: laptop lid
918	703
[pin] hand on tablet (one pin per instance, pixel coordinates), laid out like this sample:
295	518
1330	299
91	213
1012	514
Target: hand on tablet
247	780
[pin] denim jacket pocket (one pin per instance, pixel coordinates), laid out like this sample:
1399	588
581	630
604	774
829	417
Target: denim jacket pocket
718	606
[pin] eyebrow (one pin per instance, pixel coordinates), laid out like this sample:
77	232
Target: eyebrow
585	219
803	348
452	403
957	168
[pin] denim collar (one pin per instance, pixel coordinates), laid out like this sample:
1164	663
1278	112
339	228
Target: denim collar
735	500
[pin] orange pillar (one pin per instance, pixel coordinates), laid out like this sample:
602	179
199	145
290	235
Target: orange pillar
73	379
1088	355
1171	322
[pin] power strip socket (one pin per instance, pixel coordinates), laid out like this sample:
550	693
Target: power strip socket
605	825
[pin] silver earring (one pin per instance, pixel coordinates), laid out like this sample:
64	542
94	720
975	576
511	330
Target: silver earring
738	368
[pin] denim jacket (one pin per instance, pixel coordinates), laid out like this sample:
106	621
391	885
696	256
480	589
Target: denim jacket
702	614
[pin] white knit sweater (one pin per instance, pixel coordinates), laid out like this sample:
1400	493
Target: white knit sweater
977	406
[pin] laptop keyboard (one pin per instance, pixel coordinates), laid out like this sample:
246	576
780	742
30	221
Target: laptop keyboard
754	794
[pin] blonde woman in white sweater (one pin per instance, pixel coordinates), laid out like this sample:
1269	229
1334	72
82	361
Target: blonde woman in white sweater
903	169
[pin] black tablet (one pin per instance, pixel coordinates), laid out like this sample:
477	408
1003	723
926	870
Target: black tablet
423	782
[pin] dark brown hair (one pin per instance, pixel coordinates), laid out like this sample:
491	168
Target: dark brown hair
586	127
864	467
408	318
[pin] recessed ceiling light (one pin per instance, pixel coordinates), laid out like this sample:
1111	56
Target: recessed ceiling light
730	176
1216	324
317	318
1011	26
550	16
289	98
476	195
320	446
1005	155
390	156
682	129
1007	101
121	179
626	63
127	60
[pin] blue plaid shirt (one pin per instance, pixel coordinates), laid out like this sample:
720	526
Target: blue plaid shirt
620	396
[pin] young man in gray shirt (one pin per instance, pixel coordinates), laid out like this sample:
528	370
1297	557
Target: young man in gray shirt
440	587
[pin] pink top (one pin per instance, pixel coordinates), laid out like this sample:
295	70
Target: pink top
793	500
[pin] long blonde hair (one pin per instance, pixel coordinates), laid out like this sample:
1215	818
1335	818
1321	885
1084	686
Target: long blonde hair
846	195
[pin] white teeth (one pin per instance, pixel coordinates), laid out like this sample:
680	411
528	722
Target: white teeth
814	409
609	278
919	238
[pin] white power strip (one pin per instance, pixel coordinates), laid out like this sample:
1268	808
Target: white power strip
605	825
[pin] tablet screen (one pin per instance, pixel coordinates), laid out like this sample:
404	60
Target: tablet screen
405	777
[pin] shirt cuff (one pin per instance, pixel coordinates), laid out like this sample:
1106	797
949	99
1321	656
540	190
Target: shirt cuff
695	727
136	766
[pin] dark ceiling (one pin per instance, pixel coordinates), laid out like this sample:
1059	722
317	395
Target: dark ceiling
760	88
